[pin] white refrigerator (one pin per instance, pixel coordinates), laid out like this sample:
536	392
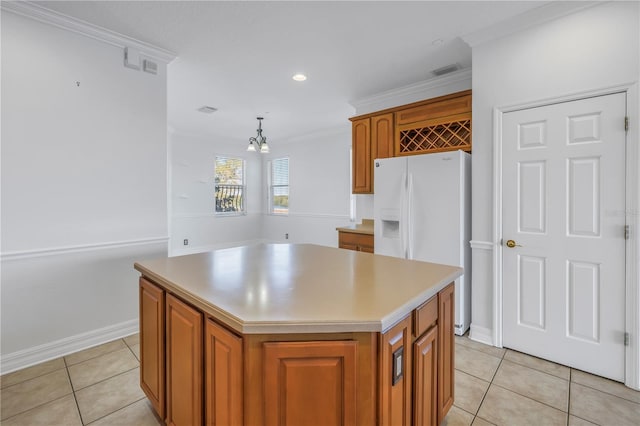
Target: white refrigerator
421	211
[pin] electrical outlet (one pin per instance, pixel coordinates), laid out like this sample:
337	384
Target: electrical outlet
185	242
286	236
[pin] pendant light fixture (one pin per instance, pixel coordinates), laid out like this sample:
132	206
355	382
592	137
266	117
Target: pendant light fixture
259	140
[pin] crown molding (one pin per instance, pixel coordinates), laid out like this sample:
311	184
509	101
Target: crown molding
431	88
48	16
540	15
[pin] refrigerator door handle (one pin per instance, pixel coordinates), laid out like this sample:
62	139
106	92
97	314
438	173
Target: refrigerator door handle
403	216
410	224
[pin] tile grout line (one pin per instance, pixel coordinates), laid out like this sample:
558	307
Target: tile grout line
107	378
604	391
489	387
34	408
569	396
73	391
113	412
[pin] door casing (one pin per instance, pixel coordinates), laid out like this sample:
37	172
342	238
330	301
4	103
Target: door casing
632	279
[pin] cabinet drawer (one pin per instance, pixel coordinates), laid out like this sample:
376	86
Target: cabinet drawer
361	242
433	110
425	315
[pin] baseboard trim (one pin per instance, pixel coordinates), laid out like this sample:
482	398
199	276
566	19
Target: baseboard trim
48	351
481	334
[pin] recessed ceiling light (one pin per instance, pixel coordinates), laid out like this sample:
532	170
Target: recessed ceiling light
299	77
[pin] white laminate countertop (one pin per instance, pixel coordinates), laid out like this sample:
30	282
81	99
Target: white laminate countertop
300	288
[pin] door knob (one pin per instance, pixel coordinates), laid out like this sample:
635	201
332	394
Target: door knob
512	244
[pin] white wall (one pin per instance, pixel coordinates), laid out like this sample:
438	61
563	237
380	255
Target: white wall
83	187
192	189
592	49
319	190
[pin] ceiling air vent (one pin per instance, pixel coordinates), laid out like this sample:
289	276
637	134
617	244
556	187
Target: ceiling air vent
446	69
207	109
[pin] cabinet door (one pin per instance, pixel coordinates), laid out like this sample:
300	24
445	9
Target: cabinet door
395	375
425	379
446	309
362	160
223	376
310	383
184	364
382	136
152	344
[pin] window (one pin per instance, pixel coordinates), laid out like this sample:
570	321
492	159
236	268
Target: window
279	186
230	189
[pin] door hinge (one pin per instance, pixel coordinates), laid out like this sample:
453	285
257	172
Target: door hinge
627	232
626	339
626	124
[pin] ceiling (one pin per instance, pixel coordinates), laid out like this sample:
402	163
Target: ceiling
239	56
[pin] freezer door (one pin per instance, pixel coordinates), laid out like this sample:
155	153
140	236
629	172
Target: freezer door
389	206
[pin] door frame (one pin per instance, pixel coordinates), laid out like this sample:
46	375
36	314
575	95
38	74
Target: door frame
632	245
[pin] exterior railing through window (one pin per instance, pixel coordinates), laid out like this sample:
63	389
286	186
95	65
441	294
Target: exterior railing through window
229	198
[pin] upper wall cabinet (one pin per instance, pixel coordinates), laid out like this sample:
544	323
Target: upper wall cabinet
434	125
372	137
439	125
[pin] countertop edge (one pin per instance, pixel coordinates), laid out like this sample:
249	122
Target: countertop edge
293	327
355	230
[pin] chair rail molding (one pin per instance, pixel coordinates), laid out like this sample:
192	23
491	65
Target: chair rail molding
481	245
52	251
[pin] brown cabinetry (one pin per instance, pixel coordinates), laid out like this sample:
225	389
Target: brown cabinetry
196	370
446	345
434	125
151	298
355	241
361	157
310	380
416	365
184	363
372	137
223	376
395	375
425	377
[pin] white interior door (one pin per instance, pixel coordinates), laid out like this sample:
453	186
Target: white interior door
564	207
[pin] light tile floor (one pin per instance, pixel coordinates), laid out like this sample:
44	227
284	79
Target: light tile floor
100	387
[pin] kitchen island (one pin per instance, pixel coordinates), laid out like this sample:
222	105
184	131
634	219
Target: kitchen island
296	334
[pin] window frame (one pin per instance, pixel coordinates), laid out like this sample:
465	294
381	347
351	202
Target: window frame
243	187
271	187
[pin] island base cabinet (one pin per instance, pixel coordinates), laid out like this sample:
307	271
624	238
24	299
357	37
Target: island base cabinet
223	376
425	376
446	350
310	383
395	375
184	364
195	370
151	299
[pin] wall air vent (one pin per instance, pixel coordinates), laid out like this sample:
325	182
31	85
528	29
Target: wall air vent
207	109
445	70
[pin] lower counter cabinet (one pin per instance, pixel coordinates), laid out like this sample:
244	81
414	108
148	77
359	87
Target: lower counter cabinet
198	371
184	363
310	382
223	376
